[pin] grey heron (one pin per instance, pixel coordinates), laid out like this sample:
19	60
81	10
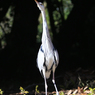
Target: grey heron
47	58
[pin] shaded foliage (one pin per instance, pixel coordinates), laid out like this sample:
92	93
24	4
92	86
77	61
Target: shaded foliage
78	50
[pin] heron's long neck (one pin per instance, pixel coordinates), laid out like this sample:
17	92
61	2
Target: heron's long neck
46	40
45	33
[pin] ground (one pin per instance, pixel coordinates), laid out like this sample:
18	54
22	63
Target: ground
71	82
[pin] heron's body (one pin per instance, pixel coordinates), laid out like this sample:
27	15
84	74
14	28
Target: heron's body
47	58
47	61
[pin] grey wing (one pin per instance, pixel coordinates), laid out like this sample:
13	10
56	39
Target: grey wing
40	59
41	63
56	56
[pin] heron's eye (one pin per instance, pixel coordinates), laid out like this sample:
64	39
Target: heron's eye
40	3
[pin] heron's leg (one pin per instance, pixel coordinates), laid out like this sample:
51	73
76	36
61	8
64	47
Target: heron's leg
53	80
45	81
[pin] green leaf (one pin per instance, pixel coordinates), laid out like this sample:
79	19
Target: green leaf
21	88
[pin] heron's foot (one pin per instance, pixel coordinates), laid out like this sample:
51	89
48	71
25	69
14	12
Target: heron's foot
57	93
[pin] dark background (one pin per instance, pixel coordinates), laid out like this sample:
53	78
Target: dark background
75	42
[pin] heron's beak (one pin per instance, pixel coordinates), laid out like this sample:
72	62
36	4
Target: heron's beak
36	1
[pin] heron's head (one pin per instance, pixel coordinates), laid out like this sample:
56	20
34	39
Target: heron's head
40	5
